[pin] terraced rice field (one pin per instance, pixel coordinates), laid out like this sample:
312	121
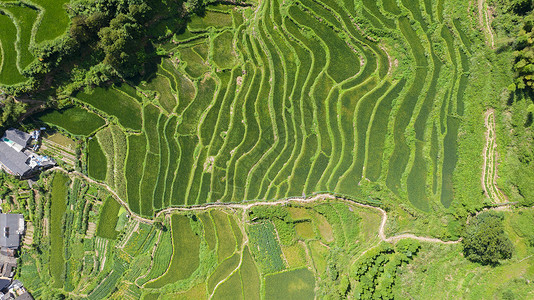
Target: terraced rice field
185	257
24	24
75	120
9	73
297	99
53	21
108	219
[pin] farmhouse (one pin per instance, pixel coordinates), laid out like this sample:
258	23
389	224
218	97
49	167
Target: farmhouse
11	229
15	157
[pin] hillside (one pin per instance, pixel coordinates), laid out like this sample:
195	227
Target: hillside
219	149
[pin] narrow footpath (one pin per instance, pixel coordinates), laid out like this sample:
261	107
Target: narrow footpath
490	155
246	206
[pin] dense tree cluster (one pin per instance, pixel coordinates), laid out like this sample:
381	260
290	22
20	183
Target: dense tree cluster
519	7
107	40
10	110
485	241
524	55
516	19
118	35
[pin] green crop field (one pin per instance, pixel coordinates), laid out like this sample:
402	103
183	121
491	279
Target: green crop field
265	248
108	219
57	210
23	26
162	259
250	275
295	284
144	235
185	258
115	102
9	73
24	17
225	237
224	270
75	120
54	19
209	230
96	160
176	261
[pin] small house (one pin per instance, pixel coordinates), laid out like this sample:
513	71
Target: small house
11	227
16	159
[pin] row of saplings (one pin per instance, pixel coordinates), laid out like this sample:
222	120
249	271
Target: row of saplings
484	241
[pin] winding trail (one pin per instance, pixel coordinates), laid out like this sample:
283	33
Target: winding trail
484	20
489	167
245	207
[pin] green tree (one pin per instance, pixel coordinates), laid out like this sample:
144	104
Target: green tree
194	6
11	110
485	241
520	7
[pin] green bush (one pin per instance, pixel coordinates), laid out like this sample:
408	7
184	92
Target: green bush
485	241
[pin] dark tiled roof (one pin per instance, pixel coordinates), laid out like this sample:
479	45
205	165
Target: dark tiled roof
4	283
25	296
10	238
13	160
20	137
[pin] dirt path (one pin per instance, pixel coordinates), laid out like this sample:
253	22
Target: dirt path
485	23
489	167
319	198
488	161
245	207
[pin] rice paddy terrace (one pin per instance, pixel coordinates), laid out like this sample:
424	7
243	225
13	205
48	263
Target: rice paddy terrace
265	102
294	98
22	25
